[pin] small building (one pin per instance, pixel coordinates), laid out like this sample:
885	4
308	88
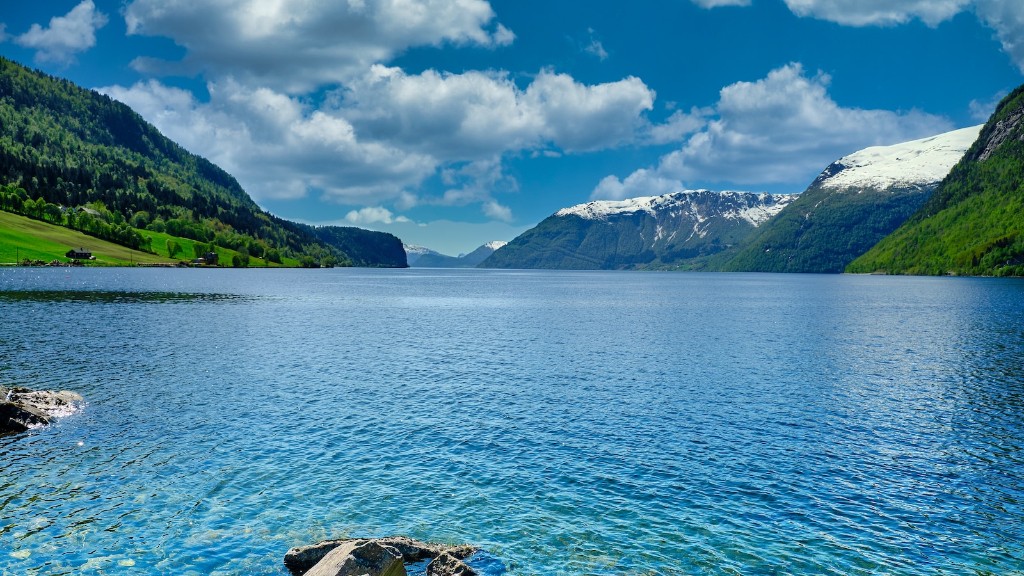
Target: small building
80	254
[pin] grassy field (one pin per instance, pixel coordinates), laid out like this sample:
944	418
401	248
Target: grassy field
23	238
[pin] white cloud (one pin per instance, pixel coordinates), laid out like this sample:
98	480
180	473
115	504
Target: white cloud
382	136
878	12
1006	17
643	182
275	146
719	3
781	129
66	35
679	125
373	215
981	110
298	45
597	49
496	211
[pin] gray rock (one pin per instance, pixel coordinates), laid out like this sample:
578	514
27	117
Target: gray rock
21	408
448	564
18	418
300	559
360	559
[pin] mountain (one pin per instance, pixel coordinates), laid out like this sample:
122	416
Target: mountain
855	202
64	146
678	230
973	224
365	248
426	258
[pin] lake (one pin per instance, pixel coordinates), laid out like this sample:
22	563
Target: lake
571	423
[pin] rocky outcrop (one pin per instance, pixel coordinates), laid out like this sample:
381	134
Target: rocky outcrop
448	565
22	409
302	559
368	558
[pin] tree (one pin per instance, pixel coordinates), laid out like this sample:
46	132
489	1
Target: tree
172	248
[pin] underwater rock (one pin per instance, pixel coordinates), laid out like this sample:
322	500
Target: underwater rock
448	564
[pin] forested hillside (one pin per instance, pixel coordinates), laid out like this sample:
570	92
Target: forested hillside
974	222
78	158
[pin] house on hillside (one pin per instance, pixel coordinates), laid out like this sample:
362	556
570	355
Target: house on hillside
80	254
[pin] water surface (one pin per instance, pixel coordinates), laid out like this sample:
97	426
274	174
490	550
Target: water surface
567	422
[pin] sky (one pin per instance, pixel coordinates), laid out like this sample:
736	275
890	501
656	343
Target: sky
451	123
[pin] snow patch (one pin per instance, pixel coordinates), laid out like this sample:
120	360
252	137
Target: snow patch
911	164
699	205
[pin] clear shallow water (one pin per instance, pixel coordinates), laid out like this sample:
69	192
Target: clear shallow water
569	423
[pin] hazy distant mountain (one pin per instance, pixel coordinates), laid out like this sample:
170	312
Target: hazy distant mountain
974	222
854	203
421	257
678	230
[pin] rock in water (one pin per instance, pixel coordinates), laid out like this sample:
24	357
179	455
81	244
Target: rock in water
356	559
448	564
18	418
300	559
21	408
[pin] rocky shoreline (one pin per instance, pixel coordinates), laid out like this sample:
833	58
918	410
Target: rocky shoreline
377	557
22	409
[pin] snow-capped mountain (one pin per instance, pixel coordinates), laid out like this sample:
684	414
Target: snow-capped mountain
915	164
855	202
671	230
414	253
427	258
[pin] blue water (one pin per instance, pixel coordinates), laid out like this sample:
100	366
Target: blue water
566	422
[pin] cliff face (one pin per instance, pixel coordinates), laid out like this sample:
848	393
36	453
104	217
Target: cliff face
973	224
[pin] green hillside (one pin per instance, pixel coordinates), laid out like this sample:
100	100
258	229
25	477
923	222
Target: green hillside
22	238
824	230
62	146
974	222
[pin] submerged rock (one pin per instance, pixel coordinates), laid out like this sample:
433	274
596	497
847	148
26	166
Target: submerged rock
22	409
301	559
368	558
448	564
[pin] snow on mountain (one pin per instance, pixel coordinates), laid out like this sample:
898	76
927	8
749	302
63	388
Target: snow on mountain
910	164
755	208
494	245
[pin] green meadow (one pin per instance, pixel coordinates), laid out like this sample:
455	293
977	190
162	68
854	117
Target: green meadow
23	238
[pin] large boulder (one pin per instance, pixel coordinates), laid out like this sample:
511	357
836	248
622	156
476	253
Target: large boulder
448	564
301	559
22	409
360	559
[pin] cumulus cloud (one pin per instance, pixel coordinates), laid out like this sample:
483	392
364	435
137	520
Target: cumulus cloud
276	146
878	12
643	182
980	110
781	129
385	133
718	3
298	45
66	35
373	215
1006	17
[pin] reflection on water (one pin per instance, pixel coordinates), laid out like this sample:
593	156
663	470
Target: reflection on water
114	297
569	423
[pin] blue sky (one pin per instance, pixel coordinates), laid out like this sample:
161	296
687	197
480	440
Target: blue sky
450	123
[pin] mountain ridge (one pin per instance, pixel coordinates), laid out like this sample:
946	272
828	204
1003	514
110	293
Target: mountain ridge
678	230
